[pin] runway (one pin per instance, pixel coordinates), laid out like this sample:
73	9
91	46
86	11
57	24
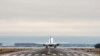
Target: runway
50	52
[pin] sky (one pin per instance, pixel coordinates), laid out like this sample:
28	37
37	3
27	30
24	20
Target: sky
49	17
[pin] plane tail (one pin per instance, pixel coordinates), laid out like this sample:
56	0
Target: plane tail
51	41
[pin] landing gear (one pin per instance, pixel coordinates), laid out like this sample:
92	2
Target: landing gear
55	46
51	45
46	46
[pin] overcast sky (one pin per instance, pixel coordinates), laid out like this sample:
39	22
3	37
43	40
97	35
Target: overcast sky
50	17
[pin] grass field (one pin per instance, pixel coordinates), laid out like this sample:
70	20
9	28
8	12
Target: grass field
92	50
9	50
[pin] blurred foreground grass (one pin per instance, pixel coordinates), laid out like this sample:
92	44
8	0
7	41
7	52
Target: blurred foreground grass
9	50
91	50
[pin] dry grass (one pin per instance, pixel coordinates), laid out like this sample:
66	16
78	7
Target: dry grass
92	50
9	50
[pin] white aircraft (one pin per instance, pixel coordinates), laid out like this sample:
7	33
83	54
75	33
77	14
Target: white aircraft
51	43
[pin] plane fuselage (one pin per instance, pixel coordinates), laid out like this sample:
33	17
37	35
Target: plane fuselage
51	43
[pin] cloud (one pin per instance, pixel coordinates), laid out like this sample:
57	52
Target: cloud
50	28
50	17
50	9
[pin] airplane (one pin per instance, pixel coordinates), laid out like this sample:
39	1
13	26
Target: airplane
51	43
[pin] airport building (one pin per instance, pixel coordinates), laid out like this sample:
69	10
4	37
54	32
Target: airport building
26	45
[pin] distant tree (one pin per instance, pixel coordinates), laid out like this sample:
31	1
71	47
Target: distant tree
97	45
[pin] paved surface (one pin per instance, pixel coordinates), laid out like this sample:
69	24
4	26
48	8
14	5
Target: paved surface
50	52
